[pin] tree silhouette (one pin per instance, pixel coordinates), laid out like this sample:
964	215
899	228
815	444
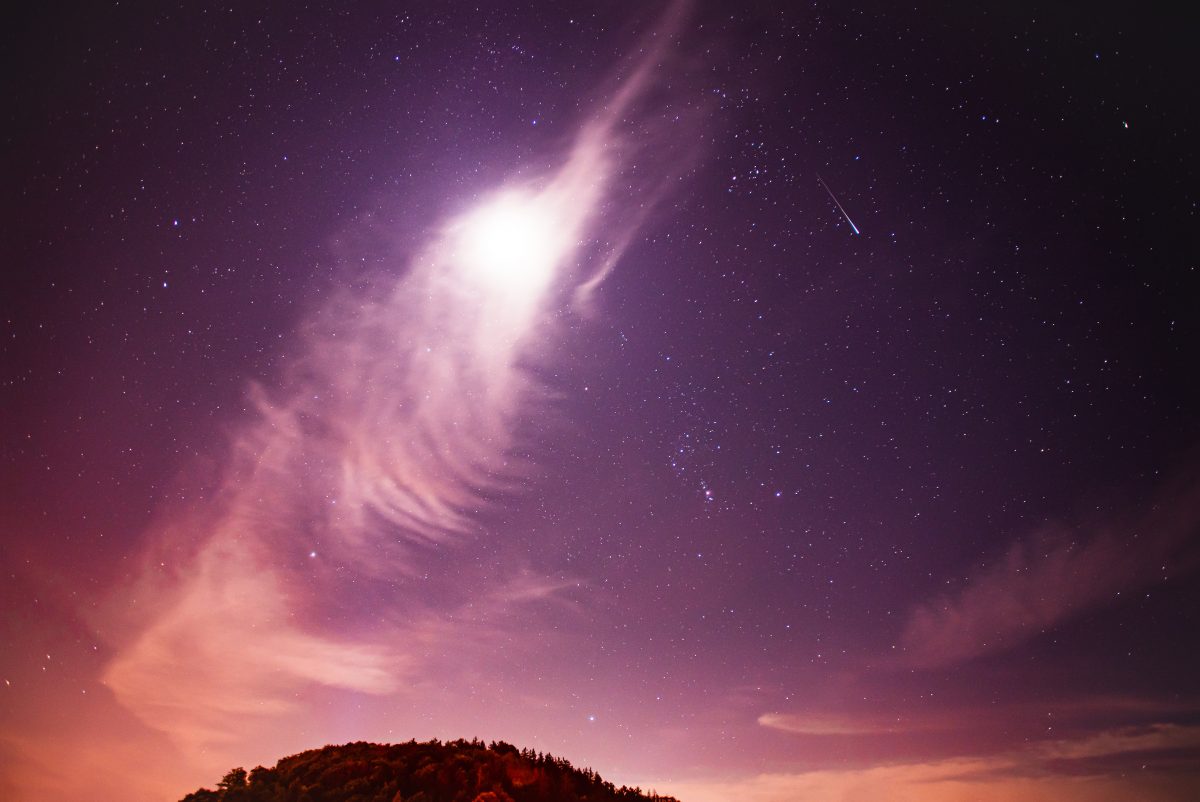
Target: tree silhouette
235	779
457	771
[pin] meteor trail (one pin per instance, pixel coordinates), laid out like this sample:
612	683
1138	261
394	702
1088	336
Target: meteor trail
839	205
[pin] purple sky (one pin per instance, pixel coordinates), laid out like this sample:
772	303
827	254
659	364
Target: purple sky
379	372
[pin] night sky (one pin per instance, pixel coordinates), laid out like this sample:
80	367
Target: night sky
752	401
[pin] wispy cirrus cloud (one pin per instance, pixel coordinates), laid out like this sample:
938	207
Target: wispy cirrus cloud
845	724
1159	737
1047	579
1145	763
398	416
916	719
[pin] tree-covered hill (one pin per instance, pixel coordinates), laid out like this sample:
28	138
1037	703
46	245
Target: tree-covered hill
456	771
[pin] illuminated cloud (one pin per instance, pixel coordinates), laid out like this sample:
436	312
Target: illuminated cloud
842	724
394	422
1125	740
228	648
917	719
1108	766
1046	580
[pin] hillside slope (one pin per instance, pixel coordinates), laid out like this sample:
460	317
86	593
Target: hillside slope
456	771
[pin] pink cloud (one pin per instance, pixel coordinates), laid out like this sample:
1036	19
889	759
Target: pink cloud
397	418
845	724
1036	774
1048	579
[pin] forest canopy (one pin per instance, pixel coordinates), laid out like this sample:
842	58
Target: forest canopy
432	771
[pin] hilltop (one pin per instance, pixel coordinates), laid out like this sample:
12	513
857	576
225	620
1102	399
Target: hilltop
432	771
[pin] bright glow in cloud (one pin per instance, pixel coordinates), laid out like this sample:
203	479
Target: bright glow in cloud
394	421
513	243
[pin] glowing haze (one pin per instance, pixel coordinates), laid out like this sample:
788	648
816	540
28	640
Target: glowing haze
395	421
376	374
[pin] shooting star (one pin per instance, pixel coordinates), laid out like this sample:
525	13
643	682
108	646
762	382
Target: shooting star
839	205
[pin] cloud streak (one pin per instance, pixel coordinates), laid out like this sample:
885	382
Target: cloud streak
1109	765
844	724
1046	580
398	418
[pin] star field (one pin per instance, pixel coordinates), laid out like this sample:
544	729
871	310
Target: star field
313	434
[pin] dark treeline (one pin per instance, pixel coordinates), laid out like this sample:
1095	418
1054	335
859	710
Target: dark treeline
456	771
